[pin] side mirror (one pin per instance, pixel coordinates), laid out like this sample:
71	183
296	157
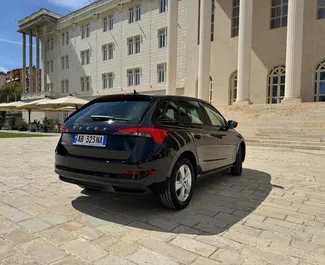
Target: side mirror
232	124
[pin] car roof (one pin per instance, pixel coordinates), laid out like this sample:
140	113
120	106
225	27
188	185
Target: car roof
143	97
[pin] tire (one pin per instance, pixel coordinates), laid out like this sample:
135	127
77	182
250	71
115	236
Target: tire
237	168
180	198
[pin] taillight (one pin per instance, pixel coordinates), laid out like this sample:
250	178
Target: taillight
158	135
63	129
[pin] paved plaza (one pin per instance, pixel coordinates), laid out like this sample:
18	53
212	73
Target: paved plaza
273	214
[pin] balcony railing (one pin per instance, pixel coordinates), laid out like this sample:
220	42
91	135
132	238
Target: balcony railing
39	95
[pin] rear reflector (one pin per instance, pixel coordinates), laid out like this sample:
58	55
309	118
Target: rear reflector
136	175
147	172
158	135
63	129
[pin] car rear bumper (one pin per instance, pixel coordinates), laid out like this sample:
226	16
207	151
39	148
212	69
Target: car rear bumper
106	175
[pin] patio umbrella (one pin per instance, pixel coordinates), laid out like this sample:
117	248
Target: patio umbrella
69	101
10	106
33	105
59	109
3	107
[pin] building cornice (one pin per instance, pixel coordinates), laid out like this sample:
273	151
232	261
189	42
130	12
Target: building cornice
90	11
34	15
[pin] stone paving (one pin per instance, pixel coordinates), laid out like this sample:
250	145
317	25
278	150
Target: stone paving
273	214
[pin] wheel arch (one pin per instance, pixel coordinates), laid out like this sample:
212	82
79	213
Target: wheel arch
242	145
190	155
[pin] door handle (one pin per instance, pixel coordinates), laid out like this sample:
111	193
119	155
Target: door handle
217	135
197	136
220	136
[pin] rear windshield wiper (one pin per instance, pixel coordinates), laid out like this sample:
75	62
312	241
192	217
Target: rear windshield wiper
106	118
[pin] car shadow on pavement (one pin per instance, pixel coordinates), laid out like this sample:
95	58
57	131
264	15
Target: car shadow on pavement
218	203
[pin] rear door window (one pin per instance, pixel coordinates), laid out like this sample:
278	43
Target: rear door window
167	111
127	109
190	112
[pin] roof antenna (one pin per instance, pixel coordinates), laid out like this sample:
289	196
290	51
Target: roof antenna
135	92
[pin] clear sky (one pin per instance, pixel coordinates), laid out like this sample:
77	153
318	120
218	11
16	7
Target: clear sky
13	10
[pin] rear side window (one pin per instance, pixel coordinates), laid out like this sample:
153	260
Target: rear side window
167	111
190	112
129	110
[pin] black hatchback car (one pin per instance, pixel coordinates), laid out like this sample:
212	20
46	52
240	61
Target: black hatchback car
142	143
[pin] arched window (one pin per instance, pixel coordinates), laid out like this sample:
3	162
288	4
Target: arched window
233	87
210	91
319	93
277	78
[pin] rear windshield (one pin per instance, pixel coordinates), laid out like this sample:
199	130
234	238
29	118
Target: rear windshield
129	110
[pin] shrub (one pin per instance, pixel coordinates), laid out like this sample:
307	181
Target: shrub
12	123
48	124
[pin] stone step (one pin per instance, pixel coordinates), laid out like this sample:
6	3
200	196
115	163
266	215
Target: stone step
302	138
290	146
284	131
258	134
286	138
276	129
310	107
299	126
281	129
278	119
284	141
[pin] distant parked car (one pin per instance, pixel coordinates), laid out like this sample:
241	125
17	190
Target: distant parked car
142	143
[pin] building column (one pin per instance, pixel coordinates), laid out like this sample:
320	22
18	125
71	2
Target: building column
24	63
244	51
37	61
204	49
30	62
294	51
172	27
44	59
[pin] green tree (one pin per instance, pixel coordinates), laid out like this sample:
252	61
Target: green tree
11	91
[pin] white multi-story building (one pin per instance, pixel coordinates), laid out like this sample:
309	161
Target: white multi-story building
107	47
224	51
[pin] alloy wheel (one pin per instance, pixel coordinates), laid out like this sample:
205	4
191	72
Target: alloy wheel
183	183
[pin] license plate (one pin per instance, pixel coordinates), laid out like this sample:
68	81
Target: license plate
90	140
